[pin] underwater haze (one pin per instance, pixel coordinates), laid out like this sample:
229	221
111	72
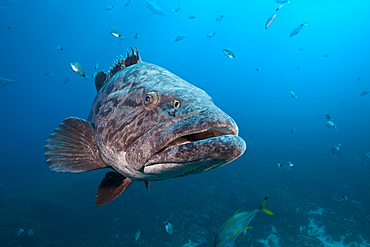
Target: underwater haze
277	88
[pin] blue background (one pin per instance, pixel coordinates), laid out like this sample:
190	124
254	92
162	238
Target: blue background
60	207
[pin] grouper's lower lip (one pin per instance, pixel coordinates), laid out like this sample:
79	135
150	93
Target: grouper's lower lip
198	156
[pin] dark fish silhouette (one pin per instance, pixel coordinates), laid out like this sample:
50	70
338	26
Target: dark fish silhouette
152	5
210	35
179	38
220	18
6	81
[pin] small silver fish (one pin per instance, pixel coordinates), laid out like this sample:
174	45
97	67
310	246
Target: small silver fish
96	66
364	93
60	48
48	73
286	165
76	67
210	35
109	7
201	240
292	131
220	18
19	231
338	197
298	29
331	125
135	35
258	69
335	149
191	17
137	235
360	161
229	53
169	228
177	9
65	81
272	17
292	94
327	116
115	32
359	79
179	38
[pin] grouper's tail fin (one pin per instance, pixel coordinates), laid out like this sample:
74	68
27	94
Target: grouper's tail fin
264	209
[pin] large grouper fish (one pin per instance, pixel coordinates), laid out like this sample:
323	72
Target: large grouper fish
147	124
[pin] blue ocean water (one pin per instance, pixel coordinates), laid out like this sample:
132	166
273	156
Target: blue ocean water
325	65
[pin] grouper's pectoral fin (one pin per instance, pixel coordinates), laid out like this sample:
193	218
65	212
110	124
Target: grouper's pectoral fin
73	148
113	185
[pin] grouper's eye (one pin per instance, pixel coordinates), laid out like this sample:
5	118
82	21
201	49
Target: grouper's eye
175	103
150	99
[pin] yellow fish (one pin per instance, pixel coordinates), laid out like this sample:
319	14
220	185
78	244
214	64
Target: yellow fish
238	223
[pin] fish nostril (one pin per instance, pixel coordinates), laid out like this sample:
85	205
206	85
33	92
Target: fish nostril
175	103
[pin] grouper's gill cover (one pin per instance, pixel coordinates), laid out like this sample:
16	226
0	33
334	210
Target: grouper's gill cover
147	124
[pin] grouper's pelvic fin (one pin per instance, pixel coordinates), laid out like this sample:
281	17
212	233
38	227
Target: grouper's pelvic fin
146	184
72	147
113	185
262	207
101	78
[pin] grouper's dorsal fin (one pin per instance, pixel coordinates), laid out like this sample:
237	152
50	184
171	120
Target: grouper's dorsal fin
101	78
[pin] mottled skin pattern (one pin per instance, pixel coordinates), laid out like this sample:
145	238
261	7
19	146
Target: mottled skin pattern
131	133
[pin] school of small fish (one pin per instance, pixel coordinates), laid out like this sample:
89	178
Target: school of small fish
157	10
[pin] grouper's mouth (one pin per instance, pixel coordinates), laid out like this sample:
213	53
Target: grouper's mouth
196	127
198	136
192	157
192	145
